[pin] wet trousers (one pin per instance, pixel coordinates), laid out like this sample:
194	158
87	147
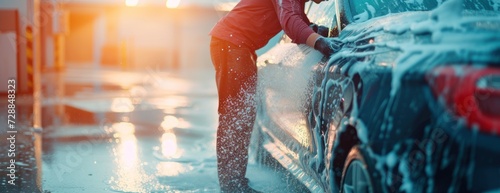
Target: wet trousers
236	78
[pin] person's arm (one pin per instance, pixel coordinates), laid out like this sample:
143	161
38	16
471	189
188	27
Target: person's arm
311	40
296	25
293	20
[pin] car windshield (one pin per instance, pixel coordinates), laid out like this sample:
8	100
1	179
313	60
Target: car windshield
363	10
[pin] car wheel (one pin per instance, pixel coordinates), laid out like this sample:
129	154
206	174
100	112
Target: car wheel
357	176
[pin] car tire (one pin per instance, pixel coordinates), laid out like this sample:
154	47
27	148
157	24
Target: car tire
358	173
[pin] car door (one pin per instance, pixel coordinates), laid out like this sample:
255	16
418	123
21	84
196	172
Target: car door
288	74
285	73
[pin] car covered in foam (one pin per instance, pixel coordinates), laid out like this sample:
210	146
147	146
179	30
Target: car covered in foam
411	103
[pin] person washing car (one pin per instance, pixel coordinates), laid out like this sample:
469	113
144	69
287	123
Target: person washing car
246	28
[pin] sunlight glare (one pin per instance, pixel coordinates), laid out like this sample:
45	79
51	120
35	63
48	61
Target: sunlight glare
122	105
173	3
131	3
128	152
169	122
123	129
169	145
130	176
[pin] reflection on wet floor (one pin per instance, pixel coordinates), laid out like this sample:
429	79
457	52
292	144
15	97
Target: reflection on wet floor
129	174
153	134
169	169
122	105
169	122
135	136
169	146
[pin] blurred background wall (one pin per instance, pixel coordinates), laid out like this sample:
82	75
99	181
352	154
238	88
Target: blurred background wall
131	34
39	37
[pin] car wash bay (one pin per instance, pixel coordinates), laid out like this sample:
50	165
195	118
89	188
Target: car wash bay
112	97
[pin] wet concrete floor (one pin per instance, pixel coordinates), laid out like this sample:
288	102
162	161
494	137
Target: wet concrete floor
106	130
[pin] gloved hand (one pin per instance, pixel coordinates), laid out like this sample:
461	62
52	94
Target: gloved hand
327	46
319	29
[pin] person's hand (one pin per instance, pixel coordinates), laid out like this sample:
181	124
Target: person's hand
327	46
319	29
